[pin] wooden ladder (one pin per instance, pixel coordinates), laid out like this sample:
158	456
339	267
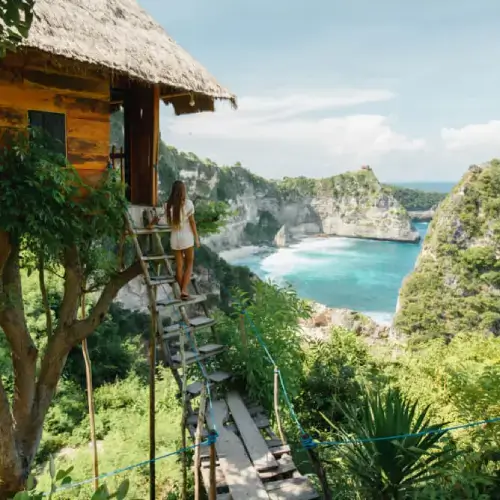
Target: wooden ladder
168	338
248	466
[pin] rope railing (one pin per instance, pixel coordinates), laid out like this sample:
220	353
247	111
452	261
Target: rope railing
121	470
306	440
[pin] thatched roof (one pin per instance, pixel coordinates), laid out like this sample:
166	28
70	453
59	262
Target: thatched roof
123	37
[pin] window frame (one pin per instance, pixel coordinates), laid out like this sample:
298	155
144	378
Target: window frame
65	127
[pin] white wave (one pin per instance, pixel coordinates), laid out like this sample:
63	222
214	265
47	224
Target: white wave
240	253
380	317
322	244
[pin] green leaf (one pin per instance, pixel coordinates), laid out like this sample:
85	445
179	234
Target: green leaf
22	495
122	491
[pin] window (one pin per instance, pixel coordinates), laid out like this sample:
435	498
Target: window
54	124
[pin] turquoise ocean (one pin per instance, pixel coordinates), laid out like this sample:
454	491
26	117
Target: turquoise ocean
364	275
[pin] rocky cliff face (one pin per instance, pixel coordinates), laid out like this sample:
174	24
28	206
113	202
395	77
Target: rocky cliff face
354	204
455	286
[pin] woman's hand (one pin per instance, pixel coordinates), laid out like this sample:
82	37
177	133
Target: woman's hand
197	241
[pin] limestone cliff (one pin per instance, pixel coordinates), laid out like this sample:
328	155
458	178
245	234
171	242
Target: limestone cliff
353	204
455	286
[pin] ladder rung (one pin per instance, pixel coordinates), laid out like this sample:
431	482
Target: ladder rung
173	331
154	257
192	358
195	299
161	280
156	229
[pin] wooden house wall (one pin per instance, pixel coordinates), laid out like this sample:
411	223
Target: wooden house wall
28	82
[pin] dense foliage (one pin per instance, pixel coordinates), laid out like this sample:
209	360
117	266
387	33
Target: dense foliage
416	199
329	382
357	183
16	17
51	222
458	272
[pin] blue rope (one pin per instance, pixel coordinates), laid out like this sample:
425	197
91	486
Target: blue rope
129	467
404	436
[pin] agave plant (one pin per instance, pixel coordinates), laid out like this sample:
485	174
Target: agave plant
390	469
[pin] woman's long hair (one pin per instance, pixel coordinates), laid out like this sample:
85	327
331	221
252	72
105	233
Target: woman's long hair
175	203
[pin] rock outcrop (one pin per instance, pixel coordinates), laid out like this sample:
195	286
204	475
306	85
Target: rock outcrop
282	238
455	286
324	318
353	204
422	215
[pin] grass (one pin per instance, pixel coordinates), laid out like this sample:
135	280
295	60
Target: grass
122	423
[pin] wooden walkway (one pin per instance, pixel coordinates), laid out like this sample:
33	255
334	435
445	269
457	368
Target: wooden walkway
252	463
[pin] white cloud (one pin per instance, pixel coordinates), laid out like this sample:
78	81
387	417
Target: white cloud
294	122
472	136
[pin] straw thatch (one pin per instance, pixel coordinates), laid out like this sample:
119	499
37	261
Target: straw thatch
123	37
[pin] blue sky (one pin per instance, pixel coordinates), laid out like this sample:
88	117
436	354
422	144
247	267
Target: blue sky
324	86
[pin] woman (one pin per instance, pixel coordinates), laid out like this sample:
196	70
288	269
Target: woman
180	217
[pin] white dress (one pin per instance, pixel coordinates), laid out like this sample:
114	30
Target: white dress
183	238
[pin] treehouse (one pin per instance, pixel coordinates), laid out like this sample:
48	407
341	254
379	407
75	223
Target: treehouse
84	60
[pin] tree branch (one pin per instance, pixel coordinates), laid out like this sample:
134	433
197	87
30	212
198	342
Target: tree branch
73	280
5	249
23	351
63	340
83	328
43	291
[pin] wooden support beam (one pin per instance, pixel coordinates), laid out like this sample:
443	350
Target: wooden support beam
241	477
257	448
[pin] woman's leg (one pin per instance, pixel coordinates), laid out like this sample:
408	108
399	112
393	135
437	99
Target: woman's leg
179	266
188	270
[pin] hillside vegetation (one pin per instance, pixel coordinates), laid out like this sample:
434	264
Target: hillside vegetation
416	199
455	287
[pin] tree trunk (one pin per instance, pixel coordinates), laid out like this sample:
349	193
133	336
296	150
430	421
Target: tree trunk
21	423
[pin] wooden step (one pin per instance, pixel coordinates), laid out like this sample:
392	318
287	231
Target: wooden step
172	332
191	357
195	299
161	280
298	488
279	451
153	230
240	476
285	466
257	448
153	257
194	389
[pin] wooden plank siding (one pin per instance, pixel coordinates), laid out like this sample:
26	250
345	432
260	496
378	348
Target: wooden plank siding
25	84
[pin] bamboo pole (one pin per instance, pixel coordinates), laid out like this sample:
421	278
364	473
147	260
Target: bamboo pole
184	412
152	398
276	404
213	484
90	400
197	451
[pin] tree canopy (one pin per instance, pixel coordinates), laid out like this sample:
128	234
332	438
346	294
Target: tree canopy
16	17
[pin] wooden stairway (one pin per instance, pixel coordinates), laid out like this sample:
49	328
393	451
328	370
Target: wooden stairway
157	268
252	461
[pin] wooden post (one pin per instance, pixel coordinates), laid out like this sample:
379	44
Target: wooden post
213	483
90	399
276	404
182	339
318	469
152	398
197	452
